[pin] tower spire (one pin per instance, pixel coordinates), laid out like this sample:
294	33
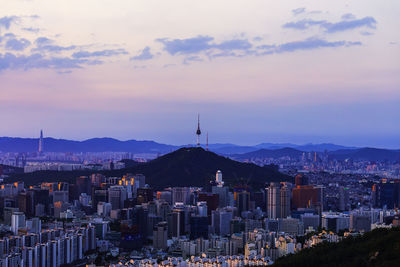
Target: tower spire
198	132
207	142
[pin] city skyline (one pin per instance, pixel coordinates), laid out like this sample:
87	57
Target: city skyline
298	72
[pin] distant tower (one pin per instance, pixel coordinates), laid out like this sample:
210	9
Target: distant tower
40	150
198	132
207	142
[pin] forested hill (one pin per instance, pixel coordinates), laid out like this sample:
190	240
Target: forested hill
380	247
183	167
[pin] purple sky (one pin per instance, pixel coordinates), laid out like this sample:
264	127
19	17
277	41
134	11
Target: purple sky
259	71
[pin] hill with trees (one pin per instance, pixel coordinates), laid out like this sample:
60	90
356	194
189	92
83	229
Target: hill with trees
380	247
183	167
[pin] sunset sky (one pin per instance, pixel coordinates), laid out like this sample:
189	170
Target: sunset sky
256	71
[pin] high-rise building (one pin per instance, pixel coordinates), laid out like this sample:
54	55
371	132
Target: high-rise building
160	235
221	221
163	209
221	190
386	194
116	196
176	223
310	220
202	208
198	227
144	195
17	221
211	199
360	222
274	201
181	195
40	148
306	196
242	201
84	184
301	179
285	197
343	199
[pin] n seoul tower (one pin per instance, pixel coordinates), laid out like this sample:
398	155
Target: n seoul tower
198	132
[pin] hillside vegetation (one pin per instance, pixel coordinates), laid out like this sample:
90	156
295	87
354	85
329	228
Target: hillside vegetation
380	247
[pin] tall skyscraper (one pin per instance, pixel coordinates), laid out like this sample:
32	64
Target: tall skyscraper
285	200
386	194
274	199
17	221
40	149
198	132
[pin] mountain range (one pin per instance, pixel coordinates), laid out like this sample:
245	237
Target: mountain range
17	144
266	150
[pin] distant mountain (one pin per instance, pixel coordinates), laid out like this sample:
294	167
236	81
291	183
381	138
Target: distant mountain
233	149
371	154
183	167
9	144
306	147
230	149
270	153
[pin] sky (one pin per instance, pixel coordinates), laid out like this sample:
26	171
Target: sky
256	71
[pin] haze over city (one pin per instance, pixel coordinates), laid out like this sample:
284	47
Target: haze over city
259	71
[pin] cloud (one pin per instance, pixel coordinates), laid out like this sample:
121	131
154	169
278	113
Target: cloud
347	24
236	44
17	44
102	53
189	59
310	44
5	22
43	41
298	11
303	24
38	61
199	48
368	22
186	46
30	29
204	44
348	16
46	44
365	33
145	54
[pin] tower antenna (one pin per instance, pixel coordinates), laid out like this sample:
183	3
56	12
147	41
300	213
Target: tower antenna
198	132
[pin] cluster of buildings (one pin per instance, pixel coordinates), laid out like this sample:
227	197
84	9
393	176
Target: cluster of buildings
99	217
50	247
321	161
